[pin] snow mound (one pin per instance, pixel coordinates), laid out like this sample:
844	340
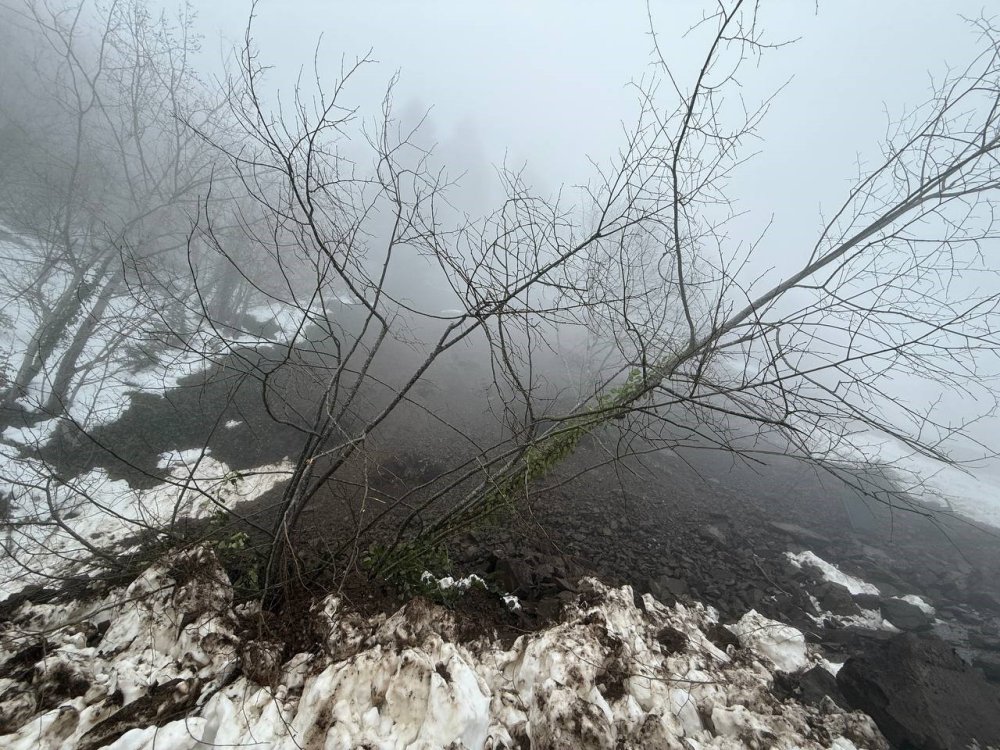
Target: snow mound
782	644
615	671
167	638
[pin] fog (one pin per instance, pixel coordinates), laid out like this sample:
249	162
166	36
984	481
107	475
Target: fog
524	374
547	93
546	85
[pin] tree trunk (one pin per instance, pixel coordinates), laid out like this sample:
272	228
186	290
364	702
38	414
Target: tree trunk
56	404
44	341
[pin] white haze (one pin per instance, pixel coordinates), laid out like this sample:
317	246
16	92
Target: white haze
545	85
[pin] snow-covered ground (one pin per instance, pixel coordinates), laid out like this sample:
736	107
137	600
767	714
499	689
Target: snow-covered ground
115	362
105	377
164	673
970	492
56	525
58	529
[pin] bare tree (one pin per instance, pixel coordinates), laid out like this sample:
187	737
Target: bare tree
899	286
319	221
113	169
103	120
691	351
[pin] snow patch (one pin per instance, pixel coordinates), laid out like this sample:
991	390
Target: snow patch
831	572
784	645
64	528
446	583
833	667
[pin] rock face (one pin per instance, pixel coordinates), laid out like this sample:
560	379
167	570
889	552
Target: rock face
836	598
921	694
813	686
906	616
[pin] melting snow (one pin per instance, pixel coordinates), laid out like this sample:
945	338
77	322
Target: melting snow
64	528
604	676
784	645
832	573
462	584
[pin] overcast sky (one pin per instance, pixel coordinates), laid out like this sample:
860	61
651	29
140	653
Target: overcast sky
544	82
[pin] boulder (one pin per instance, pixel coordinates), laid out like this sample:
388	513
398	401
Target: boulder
868	601
906	616
921	694
812	686
989	665
514	576
836	598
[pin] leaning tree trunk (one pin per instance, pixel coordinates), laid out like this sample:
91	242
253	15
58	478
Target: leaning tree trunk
58	401
501	491
45	340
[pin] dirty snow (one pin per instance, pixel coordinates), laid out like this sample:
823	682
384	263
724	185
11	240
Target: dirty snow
602	676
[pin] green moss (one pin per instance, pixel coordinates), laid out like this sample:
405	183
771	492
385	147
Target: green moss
537	460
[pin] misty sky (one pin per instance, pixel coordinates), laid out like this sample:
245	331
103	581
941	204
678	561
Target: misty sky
544	83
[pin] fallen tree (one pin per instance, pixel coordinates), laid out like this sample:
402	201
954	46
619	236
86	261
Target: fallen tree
329	221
